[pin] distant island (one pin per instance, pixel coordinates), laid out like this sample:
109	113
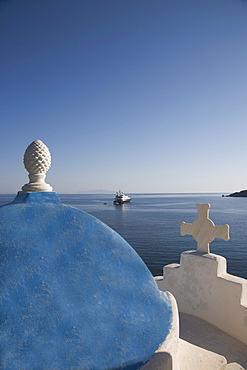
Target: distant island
242	193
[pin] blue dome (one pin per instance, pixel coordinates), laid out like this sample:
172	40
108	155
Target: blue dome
74	294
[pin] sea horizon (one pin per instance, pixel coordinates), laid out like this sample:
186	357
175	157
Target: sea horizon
95	192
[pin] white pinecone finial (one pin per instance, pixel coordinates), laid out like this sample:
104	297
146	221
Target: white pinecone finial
37	161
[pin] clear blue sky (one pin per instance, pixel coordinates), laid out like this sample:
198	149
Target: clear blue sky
142	95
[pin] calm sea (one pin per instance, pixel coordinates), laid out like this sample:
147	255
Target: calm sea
151	224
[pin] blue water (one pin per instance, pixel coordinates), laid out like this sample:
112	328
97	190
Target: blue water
151	224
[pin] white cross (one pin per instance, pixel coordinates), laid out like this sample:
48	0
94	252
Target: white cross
203	229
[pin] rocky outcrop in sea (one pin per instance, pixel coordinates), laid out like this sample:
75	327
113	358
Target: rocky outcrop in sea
242	193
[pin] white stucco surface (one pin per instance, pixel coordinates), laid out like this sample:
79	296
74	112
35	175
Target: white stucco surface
203	288
202	344
212	304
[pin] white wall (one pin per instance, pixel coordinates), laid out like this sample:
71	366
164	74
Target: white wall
202	287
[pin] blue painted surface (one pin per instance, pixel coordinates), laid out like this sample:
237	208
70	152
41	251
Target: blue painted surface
74	294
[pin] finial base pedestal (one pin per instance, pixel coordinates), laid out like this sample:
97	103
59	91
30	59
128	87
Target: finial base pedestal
36	183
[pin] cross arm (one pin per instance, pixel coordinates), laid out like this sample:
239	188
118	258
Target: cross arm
222	232
185	228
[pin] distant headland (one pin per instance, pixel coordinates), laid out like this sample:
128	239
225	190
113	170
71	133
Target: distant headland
242	193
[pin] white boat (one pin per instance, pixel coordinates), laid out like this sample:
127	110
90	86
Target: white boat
121	198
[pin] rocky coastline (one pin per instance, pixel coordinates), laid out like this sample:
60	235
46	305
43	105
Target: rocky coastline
242	193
